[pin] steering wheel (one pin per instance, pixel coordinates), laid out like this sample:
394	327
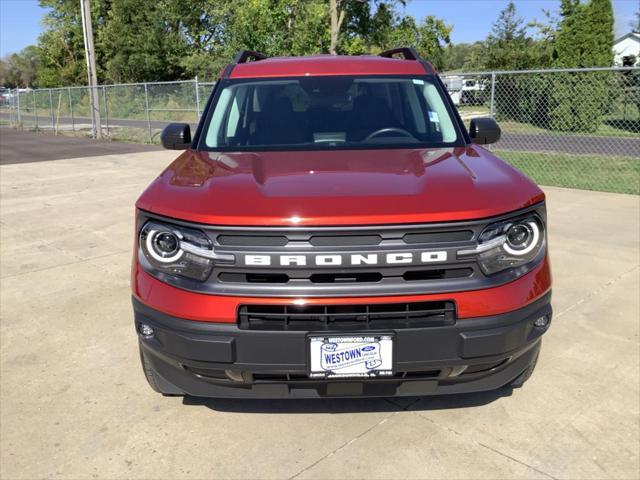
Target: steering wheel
388	130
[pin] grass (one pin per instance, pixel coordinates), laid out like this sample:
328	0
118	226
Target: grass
586	172
613	125
134	135
604	130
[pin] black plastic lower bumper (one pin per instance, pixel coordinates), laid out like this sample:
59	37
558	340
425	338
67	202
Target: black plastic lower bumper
220	360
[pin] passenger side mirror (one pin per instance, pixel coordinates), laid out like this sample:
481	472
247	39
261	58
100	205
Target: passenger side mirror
484	130
176	136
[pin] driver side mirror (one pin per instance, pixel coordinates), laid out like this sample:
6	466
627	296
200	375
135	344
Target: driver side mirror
176	136
484	130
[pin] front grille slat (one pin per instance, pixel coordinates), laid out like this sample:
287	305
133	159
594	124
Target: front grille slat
406	314
347	317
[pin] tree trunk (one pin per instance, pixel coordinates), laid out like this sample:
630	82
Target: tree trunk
337	17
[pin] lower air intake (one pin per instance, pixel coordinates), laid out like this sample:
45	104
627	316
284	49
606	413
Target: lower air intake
347	317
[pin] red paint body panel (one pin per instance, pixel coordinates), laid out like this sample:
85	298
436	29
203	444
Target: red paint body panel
338	187
211	308
319	65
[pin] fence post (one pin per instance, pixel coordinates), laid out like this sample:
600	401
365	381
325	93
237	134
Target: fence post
146	107
197	99
106	108
53	117
73	123
35	107
18	104
493	92
12	107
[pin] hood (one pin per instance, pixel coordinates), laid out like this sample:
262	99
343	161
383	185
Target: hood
339	187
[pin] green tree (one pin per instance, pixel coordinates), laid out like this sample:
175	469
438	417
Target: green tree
510	47
465	56
368	31
141	42
585	36
19	69
428	37
61	45
584	39
277	27
155	40
355	26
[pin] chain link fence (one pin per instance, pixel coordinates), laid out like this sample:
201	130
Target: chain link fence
567	128
576	128
128	112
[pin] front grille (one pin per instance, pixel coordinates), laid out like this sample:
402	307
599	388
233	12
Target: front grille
351	277
349	261
371	277
346	317
439	237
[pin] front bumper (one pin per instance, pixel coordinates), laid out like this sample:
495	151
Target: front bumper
219	360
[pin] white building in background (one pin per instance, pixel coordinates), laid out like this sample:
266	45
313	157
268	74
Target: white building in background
626	46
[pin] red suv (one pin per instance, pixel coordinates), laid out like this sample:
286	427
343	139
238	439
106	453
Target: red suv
332	229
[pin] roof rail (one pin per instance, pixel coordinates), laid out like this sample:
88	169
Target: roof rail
244	55
408	53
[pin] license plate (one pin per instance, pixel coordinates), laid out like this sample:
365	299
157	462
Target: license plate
351	356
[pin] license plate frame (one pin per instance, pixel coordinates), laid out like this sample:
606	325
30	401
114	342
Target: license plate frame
354	356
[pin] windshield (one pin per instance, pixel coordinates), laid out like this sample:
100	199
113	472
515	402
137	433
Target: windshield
330	112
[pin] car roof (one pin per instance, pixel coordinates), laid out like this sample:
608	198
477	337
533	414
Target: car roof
322	65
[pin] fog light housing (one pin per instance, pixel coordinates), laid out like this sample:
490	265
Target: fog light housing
541	322
146	330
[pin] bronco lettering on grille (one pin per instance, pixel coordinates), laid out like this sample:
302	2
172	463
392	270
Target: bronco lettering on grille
394	258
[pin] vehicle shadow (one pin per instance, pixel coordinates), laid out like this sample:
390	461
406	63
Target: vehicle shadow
349	405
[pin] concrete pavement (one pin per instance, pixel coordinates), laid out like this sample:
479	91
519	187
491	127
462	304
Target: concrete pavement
74	403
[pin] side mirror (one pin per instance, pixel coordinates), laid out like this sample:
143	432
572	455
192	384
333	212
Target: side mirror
176	136
484	130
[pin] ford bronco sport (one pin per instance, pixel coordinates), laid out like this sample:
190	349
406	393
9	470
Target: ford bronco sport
332	229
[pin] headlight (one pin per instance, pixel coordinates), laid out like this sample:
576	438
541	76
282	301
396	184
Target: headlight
177	251
509	244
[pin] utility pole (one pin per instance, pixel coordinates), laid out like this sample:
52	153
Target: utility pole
87	30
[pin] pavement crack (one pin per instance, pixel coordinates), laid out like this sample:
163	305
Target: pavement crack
596	292
345	444
516	460
484	445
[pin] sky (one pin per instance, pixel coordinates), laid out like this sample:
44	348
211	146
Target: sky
21	20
